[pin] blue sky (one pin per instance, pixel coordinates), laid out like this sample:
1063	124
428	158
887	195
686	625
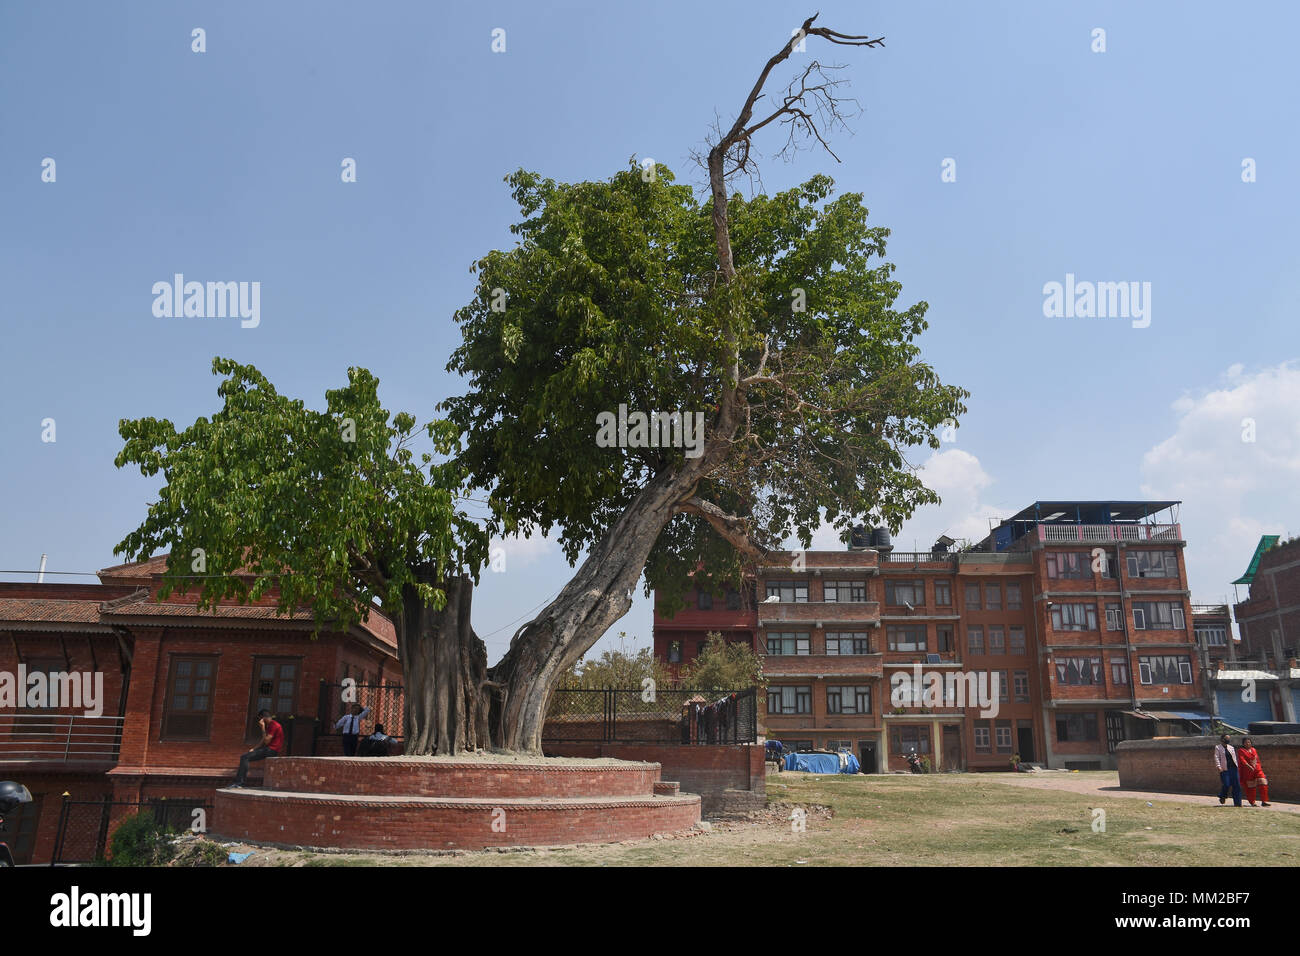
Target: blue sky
225	165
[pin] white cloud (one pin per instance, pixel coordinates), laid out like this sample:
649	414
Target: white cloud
521	552
1233	489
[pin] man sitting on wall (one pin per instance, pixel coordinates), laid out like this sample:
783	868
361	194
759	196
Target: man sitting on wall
272	745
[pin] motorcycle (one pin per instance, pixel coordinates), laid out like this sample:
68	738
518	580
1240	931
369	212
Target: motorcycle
12	796
914	761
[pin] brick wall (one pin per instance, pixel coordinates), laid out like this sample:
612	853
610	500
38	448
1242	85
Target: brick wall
1186	764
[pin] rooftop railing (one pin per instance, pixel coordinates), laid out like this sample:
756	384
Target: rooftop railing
59	737
1060	533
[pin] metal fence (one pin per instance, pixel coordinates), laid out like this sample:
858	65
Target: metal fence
55	736
664	716
85	825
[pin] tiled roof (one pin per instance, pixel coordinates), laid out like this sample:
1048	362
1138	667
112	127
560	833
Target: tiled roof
19	611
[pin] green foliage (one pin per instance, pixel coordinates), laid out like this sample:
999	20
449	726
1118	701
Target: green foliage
724	666
140	840
613	297
322	509
619	668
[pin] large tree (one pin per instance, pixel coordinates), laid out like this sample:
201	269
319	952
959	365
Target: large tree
772	318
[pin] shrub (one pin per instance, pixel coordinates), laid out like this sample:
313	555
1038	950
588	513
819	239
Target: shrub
140	840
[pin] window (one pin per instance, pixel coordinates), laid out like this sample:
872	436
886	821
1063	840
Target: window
975	639
1021	684
1004	686
1078	671
1158	615
1075	565
1109	566
187	714
699	647
997	643
942	594
982	745
1074	617
1003	729
837	592
907	739
848	700
1114	617
905	592
787	643
675	652
788	591
943	634
704	601
906	638
1119	672
1076	727
841	644
972	597
1165	669
1152	564
993	597
733	599
1212	636
1017	640
275	688
789	699
1013	597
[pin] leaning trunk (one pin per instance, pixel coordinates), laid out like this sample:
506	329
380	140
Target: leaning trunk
444	670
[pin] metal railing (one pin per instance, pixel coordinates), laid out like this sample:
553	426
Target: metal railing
1109	532
674	716
915	557
61	737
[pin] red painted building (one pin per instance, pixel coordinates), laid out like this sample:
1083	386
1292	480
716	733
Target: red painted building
180	690
1077	613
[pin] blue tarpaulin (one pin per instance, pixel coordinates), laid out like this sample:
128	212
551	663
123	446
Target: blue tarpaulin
821	763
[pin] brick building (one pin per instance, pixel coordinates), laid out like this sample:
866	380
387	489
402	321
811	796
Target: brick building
180	690
1262	681
1076	611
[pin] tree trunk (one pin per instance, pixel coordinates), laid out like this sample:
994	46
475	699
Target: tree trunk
444	669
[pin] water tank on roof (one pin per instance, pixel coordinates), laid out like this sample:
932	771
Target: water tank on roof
880	539
860	538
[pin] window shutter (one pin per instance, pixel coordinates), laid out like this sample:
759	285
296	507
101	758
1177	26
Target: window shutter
1140	622
1144	672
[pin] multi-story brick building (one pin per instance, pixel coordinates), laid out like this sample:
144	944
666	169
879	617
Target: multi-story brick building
1076	612
1263	681
181	689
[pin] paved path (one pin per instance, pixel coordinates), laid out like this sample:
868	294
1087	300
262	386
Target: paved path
1106	784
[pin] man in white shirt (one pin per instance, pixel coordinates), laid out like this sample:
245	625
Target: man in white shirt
1225	761
350	725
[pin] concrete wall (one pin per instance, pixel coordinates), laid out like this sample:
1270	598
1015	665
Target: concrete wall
1186	764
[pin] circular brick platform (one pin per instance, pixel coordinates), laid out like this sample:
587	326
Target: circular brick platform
410	804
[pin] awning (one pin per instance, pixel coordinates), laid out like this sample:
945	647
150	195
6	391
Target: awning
1193	715
1145	714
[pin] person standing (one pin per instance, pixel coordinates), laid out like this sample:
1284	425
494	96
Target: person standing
272	745
1225	761
350	725
1251	772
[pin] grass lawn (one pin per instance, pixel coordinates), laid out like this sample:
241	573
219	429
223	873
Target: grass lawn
939	820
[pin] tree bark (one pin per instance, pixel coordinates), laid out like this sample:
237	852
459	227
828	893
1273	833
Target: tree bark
444	670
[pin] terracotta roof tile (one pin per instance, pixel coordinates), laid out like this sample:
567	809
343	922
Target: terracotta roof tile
29	610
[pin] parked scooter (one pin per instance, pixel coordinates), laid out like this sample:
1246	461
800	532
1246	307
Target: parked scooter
914	761
12	796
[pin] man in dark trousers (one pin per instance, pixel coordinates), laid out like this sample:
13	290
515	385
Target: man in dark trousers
1225	761
272	745
350	725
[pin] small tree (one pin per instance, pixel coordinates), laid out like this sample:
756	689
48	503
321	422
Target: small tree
724	665
620	668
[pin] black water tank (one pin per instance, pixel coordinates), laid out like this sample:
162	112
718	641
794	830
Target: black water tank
880	538
860	538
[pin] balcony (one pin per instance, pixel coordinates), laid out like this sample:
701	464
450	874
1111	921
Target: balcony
1075	533
810	612
59	738
918	558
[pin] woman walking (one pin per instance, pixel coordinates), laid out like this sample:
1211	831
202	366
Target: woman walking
1251	772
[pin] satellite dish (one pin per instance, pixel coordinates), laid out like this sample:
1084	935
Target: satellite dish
773	599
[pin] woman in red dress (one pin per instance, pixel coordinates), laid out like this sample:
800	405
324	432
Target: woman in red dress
1251	772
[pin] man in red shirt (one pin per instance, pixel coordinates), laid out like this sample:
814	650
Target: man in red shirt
272	745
